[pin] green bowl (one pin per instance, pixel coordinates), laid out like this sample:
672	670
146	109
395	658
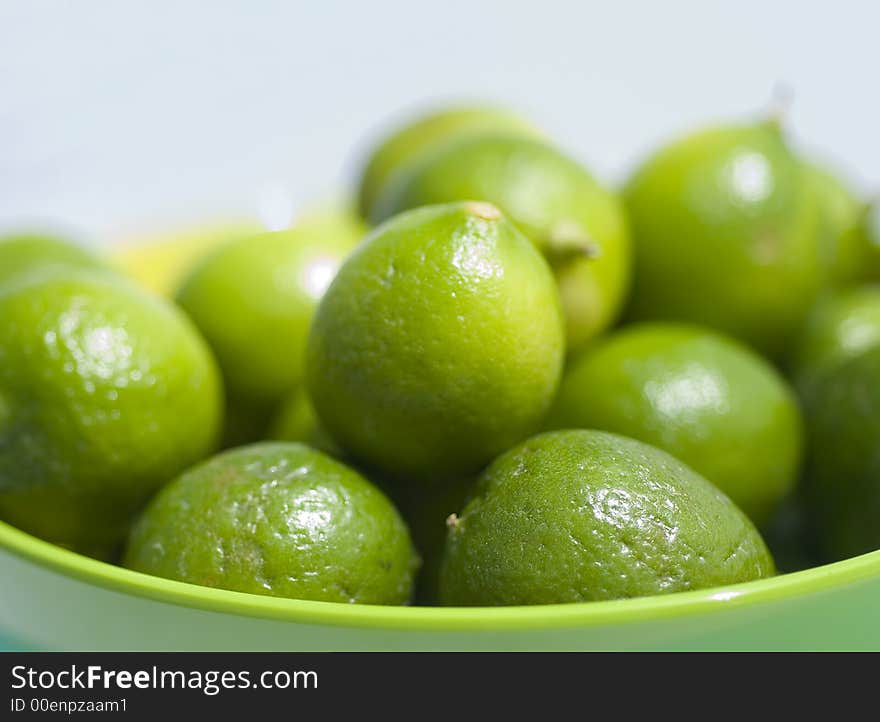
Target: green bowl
55	599
52	598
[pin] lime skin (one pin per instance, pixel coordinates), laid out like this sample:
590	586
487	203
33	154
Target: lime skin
577	516
871	231
253	301
842	485
424	507
576	223
278	519
842	324
24	252
106	393
726	231
844	234
438	345
789	537
406	144
160	261
704	398
296	421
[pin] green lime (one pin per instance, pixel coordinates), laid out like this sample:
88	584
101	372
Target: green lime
840	326
296	421
426	507
277	519
789	538
106	392
710	402
244	423
438	345
159	260
23	252
871	225
843	231
407	143
725	227
253	300
578	225
842	486
575	516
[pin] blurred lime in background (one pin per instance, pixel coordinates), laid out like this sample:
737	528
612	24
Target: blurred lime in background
23	252
726	229
571	218
706	399
841	325
842	487
253	299
407	143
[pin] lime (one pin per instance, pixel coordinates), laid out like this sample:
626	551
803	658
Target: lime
438	345
277	519
725	225
575	516
842	486
106	393
244	423
871	226
25	252
843	230
297	421
419	136
253	300
707	400
789	538
426	507
578	225
840	326
158	261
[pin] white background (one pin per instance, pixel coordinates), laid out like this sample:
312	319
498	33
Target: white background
116	117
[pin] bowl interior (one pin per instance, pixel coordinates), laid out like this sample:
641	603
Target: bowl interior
679	604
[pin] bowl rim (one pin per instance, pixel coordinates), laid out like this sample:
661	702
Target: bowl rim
435	619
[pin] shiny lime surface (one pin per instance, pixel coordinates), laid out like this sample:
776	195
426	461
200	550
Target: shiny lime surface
23	252
278	519
253	300
706	399
843	476
840	326
578	225
438	345
725	225
407	143
574	516
106	392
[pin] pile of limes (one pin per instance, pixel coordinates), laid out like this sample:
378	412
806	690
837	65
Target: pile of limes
517	387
